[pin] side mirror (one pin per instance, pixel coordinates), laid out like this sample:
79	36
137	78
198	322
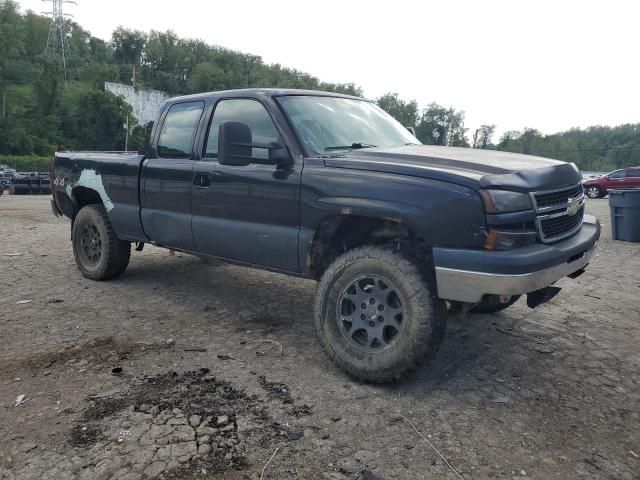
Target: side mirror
412	130
280	156
234	144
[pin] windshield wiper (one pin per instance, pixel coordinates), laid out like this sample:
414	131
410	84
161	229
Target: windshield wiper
353	146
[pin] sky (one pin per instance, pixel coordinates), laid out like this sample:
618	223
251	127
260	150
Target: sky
550	65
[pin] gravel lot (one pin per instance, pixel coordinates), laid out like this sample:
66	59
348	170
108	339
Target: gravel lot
550	393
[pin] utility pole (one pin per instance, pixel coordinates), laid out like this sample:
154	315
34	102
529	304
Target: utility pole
126	137
56	40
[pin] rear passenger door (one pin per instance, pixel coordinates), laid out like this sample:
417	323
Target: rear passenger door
167	175
249	213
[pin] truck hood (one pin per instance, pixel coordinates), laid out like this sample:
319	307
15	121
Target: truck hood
471	167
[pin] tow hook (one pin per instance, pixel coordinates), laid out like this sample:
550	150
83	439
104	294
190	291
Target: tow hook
537	298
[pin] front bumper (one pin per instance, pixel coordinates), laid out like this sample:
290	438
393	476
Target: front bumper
469	275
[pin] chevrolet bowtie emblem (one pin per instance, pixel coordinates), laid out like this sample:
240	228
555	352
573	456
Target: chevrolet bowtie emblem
572	206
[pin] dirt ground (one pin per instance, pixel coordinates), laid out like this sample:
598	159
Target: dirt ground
204	391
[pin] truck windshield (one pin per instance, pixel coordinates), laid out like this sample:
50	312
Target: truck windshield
328	125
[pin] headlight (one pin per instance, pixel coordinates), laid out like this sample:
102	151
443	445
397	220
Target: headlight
503	201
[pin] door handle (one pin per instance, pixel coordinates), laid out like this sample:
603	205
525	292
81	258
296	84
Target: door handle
202	180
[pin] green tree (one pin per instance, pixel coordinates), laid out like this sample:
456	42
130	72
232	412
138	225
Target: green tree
128	47
483	135
442	126
205	78
404	112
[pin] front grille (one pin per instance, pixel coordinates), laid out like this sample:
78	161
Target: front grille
554	208
550	199
557	226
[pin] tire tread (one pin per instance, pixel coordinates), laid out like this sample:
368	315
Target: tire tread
432	313
117	252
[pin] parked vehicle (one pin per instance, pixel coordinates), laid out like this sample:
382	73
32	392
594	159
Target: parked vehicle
616	180
5	181
329	187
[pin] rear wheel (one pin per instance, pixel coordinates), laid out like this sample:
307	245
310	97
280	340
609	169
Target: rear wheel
593	191
493	305
98	252
377	315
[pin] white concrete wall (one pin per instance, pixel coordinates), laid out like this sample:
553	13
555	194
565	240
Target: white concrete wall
145	102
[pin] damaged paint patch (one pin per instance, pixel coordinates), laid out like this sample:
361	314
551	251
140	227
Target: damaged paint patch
90	179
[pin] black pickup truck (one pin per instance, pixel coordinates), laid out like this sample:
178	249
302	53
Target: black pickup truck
326	186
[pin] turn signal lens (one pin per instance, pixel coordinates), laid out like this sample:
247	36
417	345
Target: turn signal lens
504	240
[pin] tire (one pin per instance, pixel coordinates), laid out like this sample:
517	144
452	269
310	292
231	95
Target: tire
486	306
593	191
99	254
408	336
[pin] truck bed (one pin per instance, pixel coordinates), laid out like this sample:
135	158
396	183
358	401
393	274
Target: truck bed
114	175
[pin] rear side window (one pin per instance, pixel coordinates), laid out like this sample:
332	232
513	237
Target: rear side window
633	173
179	129
247	111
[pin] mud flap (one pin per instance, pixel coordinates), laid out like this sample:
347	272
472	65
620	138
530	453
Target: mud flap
537	298
577	273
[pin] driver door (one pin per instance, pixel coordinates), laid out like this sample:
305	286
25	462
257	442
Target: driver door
248	214
616	180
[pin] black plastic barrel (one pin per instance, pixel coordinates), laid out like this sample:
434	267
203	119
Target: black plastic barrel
625	214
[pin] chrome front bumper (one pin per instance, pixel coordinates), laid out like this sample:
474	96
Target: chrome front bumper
471	286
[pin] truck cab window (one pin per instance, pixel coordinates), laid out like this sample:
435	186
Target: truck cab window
178	130
247	111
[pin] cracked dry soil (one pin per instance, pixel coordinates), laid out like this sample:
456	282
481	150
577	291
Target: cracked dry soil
550	393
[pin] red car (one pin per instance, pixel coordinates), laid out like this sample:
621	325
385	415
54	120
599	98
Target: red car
616	180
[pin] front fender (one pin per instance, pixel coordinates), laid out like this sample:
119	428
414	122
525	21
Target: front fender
439	213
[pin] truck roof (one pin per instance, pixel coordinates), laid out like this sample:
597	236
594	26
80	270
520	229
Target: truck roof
268	92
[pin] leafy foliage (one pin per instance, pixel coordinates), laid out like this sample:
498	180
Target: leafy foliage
595	148
435	125
39	112
26	163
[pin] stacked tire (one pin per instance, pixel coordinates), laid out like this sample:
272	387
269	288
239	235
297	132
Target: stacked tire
31	186
20	186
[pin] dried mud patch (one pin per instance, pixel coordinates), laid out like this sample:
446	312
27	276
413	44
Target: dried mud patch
168	426
98	352
84	436
276	390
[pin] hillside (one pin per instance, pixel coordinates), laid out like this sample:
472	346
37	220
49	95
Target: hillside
40	111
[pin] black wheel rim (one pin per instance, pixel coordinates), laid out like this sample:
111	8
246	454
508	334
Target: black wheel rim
371	313
90	244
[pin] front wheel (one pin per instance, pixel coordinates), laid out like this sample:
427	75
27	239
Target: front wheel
594	191
377	314
99	254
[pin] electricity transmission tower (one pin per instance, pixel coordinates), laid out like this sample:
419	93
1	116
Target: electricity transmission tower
56	41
